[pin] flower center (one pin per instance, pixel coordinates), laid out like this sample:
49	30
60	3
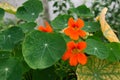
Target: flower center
76	50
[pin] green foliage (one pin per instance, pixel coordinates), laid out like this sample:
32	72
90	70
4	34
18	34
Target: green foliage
114	54
97	69
10	37
60	22
30	54
1	13
45	50
97	48
27	27
10	69
30	10
91	26
82	11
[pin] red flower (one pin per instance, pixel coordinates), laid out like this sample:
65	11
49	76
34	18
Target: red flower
75	53
74	29
48	28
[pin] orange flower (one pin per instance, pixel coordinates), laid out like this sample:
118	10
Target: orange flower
74	29
75	53
48	28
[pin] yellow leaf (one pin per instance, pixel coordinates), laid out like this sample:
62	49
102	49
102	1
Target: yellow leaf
8	7
105	27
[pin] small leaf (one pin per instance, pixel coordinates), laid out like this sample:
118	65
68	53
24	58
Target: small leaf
30	10
63	4
96	48
1	13
97	69
10	69
55	4
91	26
82	11
60	22
10	37
27	27
42	50
114	54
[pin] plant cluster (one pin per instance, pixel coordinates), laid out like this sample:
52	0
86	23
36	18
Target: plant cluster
35	52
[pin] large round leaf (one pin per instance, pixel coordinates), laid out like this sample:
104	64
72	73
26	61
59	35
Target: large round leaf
114	54
97	69
97	48
30	10
10	69
91	26
9	37
41	50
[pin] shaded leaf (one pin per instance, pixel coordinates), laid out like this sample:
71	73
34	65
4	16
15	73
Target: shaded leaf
30	10
9	37
10	69
82	11
60	22
96	48
114	54
42	50
27	27
45	74
91	26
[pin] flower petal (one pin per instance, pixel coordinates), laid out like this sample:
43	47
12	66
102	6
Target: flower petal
82	45
67	31
71	45
66	55
48	27
82	58
41	28
71	22
73	60
82	33
80	23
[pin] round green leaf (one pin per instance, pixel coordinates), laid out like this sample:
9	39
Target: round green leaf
97	48
91	26
41	50
30	10
82	11
27	27
114	54
10	69
5	54
10	37
60	22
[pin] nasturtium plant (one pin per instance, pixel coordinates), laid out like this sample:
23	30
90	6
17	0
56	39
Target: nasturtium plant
31	51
